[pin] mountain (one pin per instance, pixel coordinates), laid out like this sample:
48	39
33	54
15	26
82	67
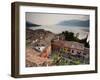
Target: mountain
29	24
79	23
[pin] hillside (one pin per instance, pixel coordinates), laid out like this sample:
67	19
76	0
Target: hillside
34	40
33	36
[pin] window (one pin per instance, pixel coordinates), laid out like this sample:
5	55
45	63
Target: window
72	51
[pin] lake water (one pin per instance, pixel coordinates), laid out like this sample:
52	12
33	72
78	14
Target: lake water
83	31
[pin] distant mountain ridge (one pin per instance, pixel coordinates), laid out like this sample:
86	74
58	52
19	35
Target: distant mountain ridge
81	23
29	24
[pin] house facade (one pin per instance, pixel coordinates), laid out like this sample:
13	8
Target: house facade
59	46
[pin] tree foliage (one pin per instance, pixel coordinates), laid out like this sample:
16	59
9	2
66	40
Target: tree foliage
69	36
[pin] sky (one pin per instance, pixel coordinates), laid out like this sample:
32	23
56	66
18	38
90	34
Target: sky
52	19
57	23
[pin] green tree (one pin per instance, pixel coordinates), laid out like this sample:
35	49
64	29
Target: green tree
69	36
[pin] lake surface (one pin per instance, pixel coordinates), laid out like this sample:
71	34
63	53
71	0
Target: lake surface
83	31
